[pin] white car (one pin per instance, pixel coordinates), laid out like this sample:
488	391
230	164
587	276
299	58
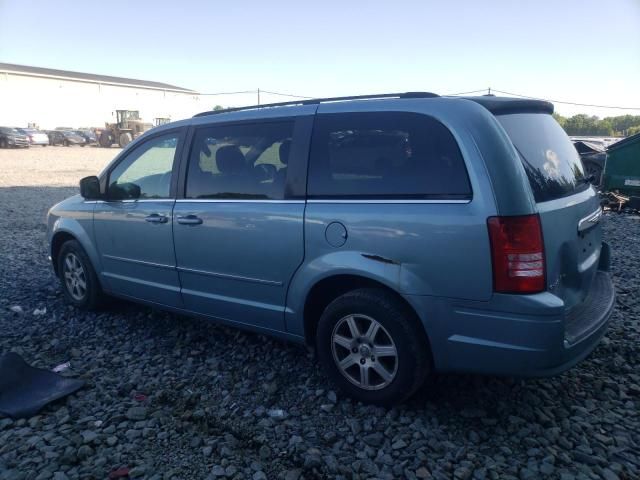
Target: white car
35	137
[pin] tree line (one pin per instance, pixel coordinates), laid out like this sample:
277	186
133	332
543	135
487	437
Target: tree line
585	125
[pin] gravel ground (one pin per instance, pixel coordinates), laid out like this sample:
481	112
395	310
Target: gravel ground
173	397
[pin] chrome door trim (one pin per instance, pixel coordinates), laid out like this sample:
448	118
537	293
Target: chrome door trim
389	201
231	277
224	200
139	262
134	200
590	220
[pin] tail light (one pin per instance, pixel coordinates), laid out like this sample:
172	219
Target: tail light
517	252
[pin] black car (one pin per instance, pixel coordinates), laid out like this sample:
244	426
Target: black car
89	136
65	137
11	137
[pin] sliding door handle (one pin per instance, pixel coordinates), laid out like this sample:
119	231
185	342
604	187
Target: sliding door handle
156	218
189	220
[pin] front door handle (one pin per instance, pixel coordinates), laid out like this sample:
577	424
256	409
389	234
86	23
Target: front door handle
156	218
189	220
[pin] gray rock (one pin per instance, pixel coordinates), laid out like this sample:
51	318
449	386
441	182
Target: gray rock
136	413
218	471
373	439
88	436
293	474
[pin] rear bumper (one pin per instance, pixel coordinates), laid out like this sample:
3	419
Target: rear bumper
522	336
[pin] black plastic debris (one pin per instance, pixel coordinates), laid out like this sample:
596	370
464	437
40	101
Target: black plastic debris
24	389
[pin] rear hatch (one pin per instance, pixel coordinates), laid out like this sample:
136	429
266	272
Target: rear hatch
568	206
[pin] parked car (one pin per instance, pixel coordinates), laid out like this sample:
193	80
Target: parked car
35	137
88	135
11	137
65	137
399	235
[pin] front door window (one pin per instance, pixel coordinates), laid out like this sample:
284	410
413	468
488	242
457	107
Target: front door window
146	172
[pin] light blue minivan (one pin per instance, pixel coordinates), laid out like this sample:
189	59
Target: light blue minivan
398	234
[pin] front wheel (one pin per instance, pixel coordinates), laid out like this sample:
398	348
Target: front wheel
125	139
105	139
77	276
373	347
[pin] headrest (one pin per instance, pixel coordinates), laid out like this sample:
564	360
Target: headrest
285	148
230	159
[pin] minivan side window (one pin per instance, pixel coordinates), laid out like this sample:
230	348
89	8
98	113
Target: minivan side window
385	155
241	161
145	173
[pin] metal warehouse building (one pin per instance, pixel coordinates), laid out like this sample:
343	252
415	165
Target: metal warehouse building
58	98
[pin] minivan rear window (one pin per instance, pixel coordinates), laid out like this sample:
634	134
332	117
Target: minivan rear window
551	161
369	155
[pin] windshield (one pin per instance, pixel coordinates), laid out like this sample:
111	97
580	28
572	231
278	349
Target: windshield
548	156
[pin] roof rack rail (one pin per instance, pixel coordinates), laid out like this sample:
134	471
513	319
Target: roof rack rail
315	101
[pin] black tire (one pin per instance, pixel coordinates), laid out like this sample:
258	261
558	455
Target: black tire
66	143
412	363
93	295
105	140
3	143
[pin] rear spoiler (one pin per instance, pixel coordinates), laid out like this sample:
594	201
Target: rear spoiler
504	105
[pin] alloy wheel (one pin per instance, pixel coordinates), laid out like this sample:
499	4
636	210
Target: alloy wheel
364	352
74	277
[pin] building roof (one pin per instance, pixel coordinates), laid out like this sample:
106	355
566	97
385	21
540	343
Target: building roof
625	142
87	77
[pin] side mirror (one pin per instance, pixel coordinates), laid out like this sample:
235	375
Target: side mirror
90	188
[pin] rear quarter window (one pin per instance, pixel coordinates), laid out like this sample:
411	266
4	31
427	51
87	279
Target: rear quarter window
385	155
551	161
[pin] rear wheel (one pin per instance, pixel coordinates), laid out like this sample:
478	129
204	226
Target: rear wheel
3	143
373	347
77	276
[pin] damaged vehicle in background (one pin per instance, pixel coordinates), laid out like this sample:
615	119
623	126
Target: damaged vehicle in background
400	235
10	137
35	137
594	156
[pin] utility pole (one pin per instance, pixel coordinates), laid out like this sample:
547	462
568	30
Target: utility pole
258	96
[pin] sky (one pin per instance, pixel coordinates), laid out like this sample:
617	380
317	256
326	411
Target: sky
583	51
